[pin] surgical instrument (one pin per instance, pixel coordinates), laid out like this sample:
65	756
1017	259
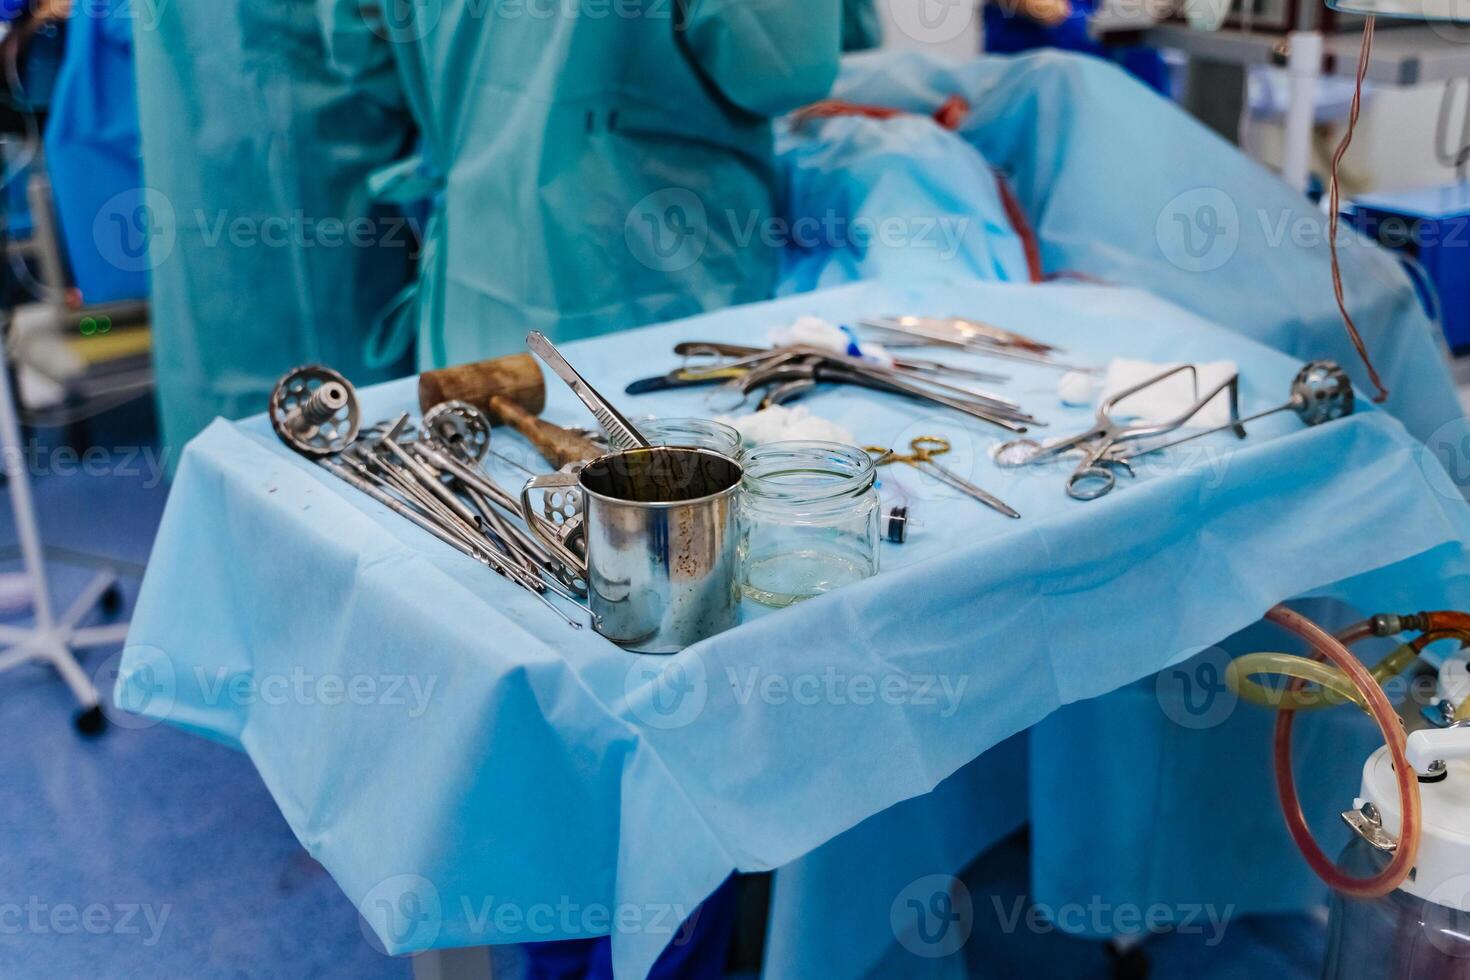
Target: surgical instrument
727	361
314	411
1321	392
426	466
471	435
803	371
921	456
482	487
416	475
792	371
508	391
466	432
1106	444
624	434
691	349
481	555
972	336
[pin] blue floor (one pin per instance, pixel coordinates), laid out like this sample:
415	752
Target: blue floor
149	853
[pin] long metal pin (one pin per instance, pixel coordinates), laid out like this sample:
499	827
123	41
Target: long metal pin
532	557
475	536
498	528
450	535
965	486
1006	418
1146	450
1002	406
421	484
425	476
427	502
397	506
968	408
488	488
983	397
472	535
977	346
501	527
404	510
510	462
468	475
530	561
922	367
386	482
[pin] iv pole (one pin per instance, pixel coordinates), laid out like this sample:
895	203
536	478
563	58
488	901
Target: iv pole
50	639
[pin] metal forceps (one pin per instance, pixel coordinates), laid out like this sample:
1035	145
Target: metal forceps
800	369
1110	444
922	452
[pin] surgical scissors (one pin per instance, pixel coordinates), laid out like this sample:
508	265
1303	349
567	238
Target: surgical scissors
922	452
1110	443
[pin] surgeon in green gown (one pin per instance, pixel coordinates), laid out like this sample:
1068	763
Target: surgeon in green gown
600	164
267	250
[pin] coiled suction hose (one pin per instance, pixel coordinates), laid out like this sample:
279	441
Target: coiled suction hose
1347	679
1355	682
1336	688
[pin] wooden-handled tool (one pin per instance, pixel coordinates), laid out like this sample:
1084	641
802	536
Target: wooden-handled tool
512	390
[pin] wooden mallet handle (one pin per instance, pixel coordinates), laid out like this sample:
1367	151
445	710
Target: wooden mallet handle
559	446
513	392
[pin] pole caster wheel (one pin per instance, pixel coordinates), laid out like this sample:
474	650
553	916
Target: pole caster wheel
90	722
111	601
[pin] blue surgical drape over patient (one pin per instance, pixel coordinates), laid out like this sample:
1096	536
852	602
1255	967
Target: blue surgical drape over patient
602	165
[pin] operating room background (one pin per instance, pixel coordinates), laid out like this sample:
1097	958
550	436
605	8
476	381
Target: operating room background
234	888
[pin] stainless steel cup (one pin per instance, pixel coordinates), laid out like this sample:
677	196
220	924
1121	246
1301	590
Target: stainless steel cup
661	535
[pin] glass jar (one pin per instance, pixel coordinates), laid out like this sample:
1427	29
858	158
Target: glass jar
808	520
692	434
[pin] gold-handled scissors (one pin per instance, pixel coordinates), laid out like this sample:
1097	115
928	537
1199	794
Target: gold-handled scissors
922	452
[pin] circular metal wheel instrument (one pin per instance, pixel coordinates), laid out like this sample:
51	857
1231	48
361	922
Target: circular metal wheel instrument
314	410
459	427
1322	392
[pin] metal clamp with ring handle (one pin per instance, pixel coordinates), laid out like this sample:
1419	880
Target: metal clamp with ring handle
558	537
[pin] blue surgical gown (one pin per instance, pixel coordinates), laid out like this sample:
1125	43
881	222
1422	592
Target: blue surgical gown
1008	33
93	157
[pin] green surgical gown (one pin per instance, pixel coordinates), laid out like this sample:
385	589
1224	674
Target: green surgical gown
266	249
602	163
861	29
